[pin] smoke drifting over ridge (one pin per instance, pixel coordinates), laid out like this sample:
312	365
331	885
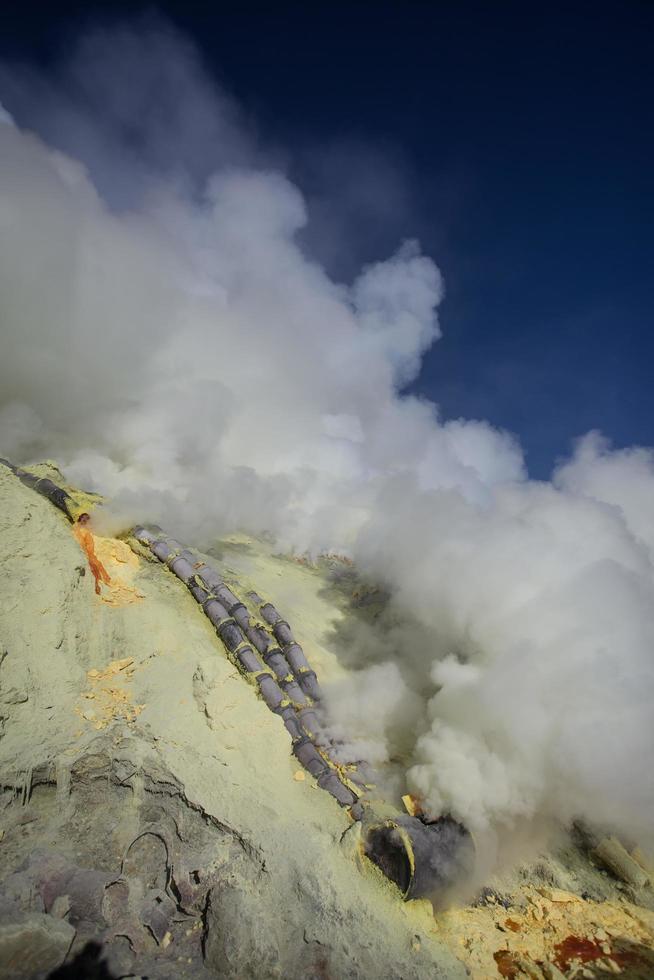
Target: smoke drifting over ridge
167	340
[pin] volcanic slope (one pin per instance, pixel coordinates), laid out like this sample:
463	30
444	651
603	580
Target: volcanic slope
149	795
150	800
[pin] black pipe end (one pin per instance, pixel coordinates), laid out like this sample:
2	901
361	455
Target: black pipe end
386	849
425	860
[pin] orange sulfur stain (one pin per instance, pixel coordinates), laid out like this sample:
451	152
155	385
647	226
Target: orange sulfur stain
507	965
123	565
86	541
577	948
587	950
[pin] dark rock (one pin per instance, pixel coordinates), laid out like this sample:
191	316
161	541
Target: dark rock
33	945
89	964
236	947
156	912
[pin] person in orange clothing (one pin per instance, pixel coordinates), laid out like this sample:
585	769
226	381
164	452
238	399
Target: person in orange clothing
85	537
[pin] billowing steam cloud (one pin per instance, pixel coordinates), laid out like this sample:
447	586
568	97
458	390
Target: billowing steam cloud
166	338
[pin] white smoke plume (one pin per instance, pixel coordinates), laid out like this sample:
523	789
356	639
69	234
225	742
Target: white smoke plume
166	338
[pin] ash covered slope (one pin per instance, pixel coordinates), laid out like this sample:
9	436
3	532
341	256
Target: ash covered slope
149	796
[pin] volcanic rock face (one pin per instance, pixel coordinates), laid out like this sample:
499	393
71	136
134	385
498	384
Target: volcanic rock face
148	797
33	944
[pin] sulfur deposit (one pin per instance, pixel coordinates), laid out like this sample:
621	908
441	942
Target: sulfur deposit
151	802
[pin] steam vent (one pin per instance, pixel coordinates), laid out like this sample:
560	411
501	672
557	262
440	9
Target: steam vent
179	800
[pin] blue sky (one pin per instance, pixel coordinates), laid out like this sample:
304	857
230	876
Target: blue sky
514	140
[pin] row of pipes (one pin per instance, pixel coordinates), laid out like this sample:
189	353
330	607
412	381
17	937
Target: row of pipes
273	661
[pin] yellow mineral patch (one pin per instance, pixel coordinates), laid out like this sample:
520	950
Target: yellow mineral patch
411	805
122	565
108	697
556	934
